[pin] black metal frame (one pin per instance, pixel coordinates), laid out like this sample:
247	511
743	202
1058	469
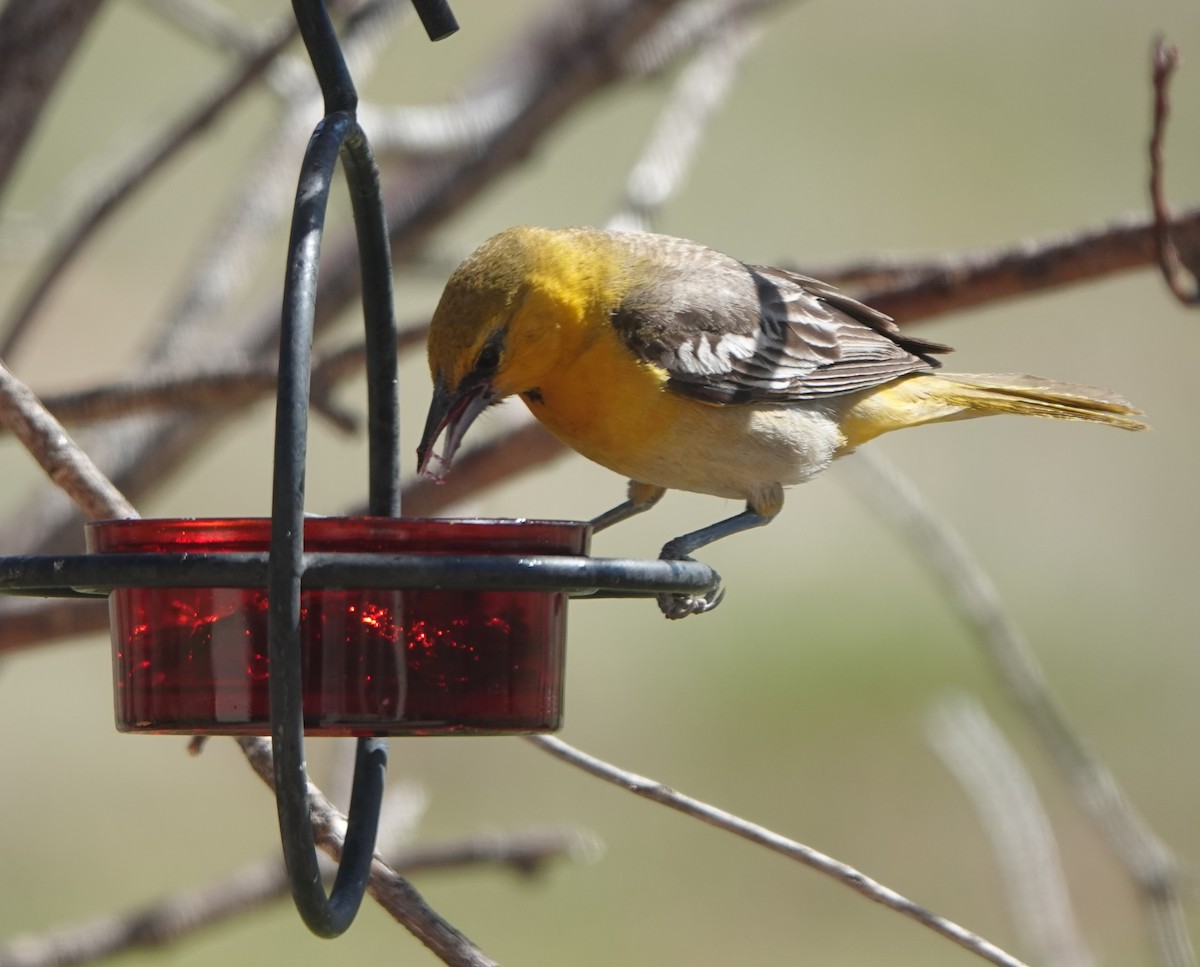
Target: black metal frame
286	569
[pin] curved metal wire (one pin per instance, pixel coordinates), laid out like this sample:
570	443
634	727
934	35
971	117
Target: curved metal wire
95	575
338	134
286	568
437	18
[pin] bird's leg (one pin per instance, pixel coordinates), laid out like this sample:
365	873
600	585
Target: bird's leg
680	549
642	497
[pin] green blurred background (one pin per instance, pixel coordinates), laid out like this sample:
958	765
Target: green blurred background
856	129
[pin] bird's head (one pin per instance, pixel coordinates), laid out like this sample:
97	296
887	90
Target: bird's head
495	332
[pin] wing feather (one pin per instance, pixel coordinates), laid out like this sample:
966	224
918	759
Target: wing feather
727	332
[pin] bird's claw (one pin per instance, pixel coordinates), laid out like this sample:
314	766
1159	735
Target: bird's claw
681	605
676	606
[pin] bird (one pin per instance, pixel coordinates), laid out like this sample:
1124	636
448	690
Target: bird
683	368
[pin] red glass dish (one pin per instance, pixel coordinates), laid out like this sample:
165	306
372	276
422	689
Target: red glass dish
374	662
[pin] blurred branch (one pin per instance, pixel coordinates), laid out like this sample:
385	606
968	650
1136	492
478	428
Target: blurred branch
176	917
138	173
37	40
30	622
1004	797
65	463
682	124
389	889
576	51
208	22
657	176
139	456
1183	285
234	386
140	452
503	457
1155	872
572	54
844	874
921	289
912	291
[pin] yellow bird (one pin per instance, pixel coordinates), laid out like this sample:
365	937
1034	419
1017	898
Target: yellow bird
685	369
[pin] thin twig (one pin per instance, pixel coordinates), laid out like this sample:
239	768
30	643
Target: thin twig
137	175
678	133
65	463
236	385
1185	287
1149	863
394	893
37	40
656	177
759	835
175	917
937	286
207	22
141	452
1011	813
928	288
572	53
503	457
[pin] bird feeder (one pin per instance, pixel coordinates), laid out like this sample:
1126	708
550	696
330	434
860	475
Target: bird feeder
367	626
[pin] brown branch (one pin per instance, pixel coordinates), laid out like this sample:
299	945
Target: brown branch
1154	870
571	55
232	387
30	622
505	456
1004	796
1185	287
37	39
760	836
65	463
137	454
929	288
389	889
141	169
177	916
679	131
574	52
926	289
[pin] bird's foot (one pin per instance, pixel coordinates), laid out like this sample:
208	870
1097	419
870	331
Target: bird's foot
676	606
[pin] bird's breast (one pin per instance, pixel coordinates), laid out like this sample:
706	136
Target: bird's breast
620	413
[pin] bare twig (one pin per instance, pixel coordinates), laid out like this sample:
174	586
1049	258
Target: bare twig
208	22
178	916
927	288
558	63
65	463
505	456
236	385
1149	863
571	54
32	621
1004	797
680	128
844	874
934	287
656	177
37	39
139	453
1184	286
137	175
394	893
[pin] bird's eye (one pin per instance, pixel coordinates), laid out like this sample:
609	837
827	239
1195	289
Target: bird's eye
488	359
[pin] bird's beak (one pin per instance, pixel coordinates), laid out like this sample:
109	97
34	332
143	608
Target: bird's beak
452	412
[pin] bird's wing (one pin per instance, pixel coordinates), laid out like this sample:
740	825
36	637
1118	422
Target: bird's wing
726	332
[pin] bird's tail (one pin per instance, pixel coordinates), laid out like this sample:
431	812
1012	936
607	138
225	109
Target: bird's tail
936	398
